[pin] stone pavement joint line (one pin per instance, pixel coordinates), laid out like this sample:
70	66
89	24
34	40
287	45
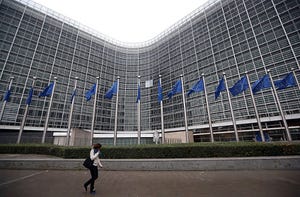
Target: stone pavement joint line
22	178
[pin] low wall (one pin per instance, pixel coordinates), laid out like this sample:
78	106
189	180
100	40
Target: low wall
201	164
178	137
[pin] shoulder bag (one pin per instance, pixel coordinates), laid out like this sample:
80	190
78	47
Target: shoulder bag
88	163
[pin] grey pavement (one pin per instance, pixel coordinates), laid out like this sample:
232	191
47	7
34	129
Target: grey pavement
281	179
69	183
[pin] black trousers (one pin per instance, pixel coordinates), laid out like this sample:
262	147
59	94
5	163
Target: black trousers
94	176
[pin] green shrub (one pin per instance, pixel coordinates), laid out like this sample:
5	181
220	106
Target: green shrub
193	150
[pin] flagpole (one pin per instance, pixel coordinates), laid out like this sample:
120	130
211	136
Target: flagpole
48	113
71	113
139	113
231	109
184	110
255	109
294	73
4	102
24	117
94	111
116	113
162	118
280	109
208	111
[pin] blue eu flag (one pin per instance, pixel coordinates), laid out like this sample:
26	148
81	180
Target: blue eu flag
287	81
240	86
7	95
73	95
47	91
138	97
198	87
29	98
113	90
221	87
262	83
90	93
177	88
159	91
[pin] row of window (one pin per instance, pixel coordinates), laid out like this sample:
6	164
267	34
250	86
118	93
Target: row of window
186	53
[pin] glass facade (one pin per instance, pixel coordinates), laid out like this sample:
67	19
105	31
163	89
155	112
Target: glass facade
231	36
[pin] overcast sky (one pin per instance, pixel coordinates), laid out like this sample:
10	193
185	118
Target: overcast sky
125	20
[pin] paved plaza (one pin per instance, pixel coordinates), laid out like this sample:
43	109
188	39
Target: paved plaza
66	183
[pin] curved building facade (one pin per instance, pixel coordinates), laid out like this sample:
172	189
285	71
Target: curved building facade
231	36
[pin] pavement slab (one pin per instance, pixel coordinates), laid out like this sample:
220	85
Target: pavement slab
68	183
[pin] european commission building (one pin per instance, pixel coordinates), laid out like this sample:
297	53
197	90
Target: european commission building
240	49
